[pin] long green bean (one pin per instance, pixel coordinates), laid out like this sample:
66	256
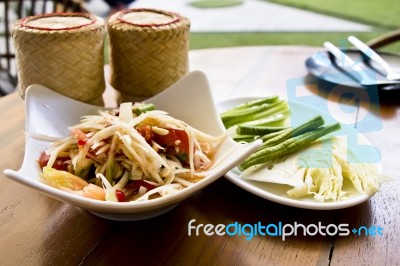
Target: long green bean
288	146
258	130
307	126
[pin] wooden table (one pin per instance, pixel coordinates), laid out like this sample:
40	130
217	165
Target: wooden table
37	230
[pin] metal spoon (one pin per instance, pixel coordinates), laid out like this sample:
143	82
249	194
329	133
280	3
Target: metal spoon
365	49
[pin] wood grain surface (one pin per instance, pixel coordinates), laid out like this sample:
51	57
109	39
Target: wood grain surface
37	230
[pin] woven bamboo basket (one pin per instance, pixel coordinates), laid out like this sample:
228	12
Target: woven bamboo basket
62	51
148	52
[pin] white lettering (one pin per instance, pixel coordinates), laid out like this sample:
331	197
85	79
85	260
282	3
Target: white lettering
344	231
310	232
220	229
190	226
208	229
329	231
284	233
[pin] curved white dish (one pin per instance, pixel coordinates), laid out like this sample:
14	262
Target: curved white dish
49	114
277	192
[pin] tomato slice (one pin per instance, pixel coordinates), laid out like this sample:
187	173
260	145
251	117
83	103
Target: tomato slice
175	138
175	142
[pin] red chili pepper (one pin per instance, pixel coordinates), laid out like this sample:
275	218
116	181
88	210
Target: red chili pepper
120	195
80	136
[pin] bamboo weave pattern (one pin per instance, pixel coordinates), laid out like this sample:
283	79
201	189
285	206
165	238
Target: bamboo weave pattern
67	60
146	59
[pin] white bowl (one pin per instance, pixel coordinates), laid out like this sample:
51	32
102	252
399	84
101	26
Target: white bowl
49	114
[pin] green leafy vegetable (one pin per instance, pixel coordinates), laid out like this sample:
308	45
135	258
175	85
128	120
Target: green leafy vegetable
334	180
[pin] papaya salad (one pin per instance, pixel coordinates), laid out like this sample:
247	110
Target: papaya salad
134	153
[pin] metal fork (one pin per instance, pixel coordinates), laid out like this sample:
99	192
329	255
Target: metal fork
365	49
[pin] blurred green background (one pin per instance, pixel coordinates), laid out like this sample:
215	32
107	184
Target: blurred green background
382	15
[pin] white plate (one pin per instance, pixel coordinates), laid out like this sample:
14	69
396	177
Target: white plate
49	113
277	192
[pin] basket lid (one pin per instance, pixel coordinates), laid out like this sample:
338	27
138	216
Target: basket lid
145	17
58	21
